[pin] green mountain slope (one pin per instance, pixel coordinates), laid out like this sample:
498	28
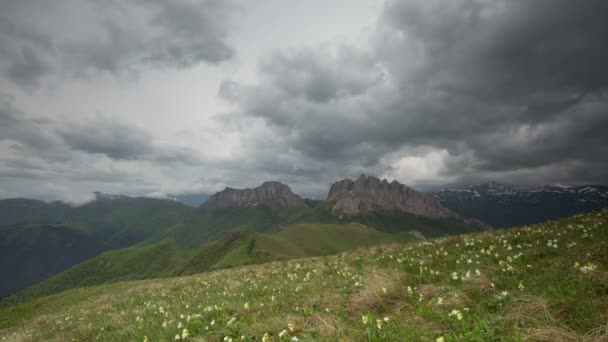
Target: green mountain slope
40	239
121	221
113	222
207	225
154	261
167	258
392	222
30	253
541	283
295	241
21	211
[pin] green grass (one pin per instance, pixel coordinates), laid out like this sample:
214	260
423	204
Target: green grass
154	261
295	241
208	225
541	283
392	222
239	248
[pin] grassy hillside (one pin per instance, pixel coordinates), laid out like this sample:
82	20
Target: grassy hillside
154	261
123	221
541	283
112	222
44	239
207	225
167	258
392	222
30	253
15	211
295	241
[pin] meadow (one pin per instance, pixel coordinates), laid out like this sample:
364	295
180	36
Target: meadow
546	282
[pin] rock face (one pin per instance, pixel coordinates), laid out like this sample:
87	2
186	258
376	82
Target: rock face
368	194
274	194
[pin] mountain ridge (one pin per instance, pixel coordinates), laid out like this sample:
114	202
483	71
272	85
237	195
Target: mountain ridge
272	193
368	194
502	205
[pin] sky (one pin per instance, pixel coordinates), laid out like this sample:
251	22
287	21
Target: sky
159	98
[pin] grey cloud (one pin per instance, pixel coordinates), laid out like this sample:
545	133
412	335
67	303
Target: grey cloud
87	37
28	69
316	75
52	159
104	136
508	88
17	128
122	141
201	32
101	135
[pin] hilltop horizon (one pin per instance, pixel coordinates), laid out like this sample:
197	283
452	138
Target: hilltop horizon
195	199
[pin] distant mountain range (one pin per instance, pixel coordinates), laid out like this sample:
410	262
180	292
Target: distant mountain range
155	237
501	205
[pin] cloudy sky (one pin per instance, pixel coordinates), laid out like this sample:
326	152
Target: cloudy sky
152	97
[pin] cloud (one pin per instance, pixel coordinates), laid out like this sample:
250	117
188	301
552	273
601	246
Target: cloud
504	89
160	195
316	76
437	92
54	159
81	38
115	140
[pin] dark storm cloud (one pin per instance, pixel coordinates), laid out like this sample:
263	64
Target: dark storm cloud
122	141
509	88
84	37
316	75
105	136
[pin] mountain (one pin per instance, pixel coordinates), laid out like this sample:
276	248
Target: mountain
211	224
236	248
502	205
112	222
115	220
30	253
273	194
22	210
369	194
39	239
121	221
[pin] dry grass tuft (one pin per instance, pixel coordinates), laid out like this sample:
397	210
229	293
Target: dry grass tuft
327	325
554	334
599	334
372	298
480	284
457	299
429	291
530	311
44	321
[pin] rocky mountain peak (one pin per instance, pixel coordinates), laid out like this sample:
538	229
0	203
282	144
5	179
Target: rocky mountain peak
274	194
367	194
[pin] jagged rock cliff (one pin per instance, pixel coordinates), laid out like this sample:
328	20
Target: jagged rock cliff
274	194
368	194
